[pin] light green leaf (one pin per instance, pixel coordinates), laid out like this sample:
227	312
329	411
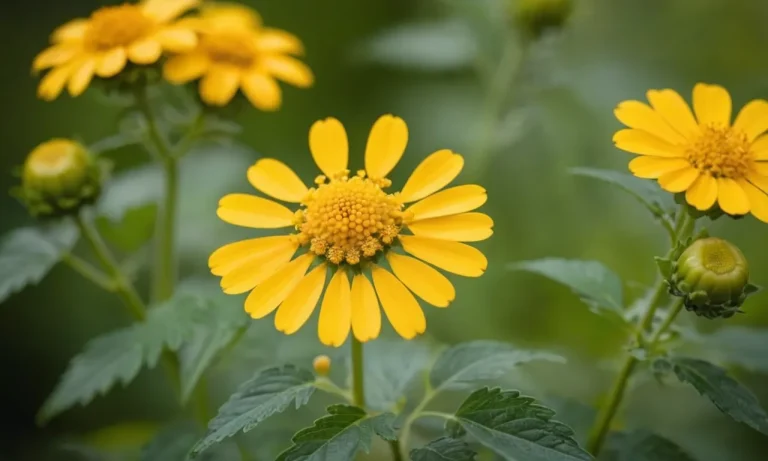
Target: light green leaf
737	345
29	253
598	286
444	449
270	391
647	192
515	427
643	446
465	364
340	435
132	231
713	382
390	367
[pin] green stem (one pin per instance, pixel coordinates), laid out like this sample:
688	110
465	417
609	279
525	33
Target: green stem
164	277
668	321
417	412
358	384
89	272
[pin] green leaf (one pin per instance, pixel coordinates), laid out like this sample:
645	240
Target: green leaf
515	427
598	286
643	446
467	363
444	449
713	382
737	345
390	367
29	253
340	435
171	444
647	192
270	391
132	231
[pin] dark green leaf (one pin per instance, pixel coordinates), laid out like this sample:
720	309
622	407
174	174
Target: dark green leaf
726	393
516	427
340	435
597	285
390	367
643	446
171	444
270	391
200	351
27	254
647	192
444	449
133	230
467	363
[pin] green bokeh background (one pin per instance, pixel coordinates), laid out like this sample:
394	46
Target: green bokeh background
562	117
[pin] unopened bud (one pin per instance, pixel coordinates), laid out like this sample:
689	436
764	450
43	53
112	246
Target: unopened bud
322	365
534	17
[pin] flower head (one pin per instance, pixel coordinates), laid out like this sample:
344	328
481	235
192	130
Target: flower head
348	225
236	52
112	36
713	161
534	17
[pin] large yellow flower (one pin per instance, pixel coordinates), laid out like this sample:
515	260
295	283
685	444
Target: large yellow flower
707	157
235	52
348	226
103	44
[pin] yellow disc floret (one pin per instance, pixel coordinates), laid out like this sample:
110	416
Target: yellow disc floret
236	48
720	151
114	26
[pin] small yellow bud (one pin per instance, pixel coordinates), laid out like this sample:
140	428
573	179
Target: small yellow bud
536	16
322	365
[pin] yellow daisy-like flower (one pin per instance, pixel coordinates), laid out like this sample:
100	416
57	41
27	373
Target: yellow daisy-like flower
236	52
105	42
705	156
348	226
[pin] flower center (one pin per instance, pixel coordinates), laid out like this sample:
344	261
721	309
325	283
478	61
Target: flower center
54	158
718	258
720	151
113	26
230	47
349	219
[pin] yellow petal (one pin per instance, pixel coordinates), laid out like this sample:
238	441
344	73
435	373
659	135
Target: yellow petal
427	283
329	146
652	167
255	270
432	174
256	212
454	257
455	200
752	119
81	77
638	115
165	10
644	143
712	104
177	39
673	108
731	197
54	56
759	180
703	192
271	292
277	180
401	308
233	255
111	62
336	311
366	316
465	227
219	85
146	51
279	41
299	305
73	31
186	67
759	148
678	180
386	144
262	91
758	200
53	82
760	168
289	70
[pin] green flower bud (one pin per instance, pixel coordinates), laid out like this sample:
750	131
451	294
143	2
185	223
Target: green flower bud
534	17
58	178
712	276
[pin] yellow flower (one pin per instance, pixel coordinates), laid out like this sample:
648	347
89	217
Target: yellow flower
103	44
707	157
235	52
348	225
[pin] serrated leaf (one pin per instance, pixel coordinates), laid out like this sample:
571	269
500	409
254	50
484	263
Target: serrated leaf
597	285
390	367
444	449
728	395
270	391
647	192
516	427
737	345
340	435
29	253
467	363
644	446
201	350
133	230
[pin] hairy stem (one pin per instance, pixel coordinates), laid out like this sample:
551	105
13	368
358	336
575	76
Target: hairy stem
358	385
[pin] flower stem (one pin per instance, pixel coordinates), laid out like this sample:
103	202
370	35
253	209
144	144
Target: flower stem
89	272
668	321
358	385
164	279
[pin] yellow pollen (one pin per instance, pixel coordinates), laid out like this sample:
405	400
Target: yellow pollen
720	151
230	47
718	258
349	219
113	26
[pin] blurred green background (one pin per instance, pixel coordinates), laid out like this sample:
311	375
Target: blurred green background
434	63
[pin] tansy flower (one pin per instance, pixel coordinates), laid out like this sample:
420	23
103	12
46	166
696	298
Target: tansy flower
707	157
235	52
104	43
348	226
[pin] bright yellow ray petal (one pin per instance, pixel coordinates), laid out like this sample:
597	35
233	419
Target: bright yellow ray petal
759	148
759	180
652	167
427	283
144	52
454	257
233	255
465	227
401	308
262	91
277	180
55	55
299	305
271	292
111	62
329	146
366	316
177	39
703	192
279	41
753	119
678	180
731	197
219	85
336	311
644	143
386	144
166	10
455	200
73	31
256	212
638	115
53	83
288	69
81	77
673	108
758	200
185	67
712	104
432	174
255	270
